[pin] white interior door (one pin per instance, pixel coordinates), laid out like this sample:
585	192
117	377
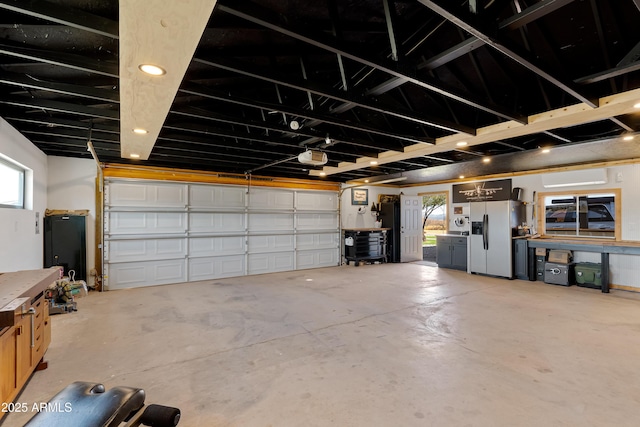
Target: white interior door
410	228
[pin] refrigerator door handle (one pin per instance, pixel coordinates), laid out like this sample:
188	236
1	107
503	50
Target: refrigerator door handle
485	232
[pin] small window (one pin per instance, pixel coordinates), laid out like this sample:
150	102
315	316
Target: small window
11	185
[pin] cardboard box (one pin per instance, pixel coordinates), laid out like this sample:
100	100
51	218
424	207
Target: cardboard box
560	256
541	252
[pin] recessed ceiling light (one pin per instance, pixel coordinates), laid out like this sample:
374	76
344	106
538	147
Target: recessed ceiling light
628	138
323	173
366	180
637	105
373	162
461	177
153	70
487	160
461	143
134	156
140	131
546	150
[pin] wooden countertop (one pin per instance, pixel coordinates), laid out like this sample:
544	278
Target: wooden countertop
29	283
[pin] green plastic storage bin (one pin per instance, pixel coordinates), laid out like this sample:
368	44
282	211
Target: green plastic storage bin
588	274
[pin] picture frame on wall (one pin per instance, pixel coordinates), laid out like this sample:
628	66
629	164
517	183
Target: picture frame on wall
359	196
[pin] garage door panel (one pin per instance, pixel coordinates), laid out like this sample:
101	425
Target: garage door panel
142	250
147	273
216	267
316	200
270	262
215	246
216	222
147	195
263	198
208	196
317	221
316	258
162	232
317	241
271	243
270	222
146	222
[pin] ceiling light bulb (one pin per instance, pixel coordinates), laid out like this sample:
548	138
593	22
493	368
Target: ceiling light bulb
323	173
327	140
627	138
487	160
140	131
366	180
153	70
461	177
134	156
637	105
373	162
546	150
461	143
294	125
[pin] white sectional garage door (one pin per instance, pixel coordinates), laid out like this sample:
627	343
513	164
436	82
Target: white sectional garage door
164	232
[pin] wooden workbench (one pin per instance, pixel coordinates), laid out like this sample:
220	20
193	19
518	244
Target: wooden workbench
25	329
604	247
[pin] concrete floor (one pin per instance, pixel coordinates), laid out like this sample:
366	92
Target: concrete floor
375	345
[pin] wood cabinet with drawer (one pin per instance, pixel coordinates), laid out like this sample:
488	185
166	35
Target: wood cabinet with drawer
25	328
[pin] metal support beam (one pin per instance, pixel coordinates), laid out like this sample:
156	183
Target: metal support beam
64	15
505	50
208	93
75	62
631	57
613	72
248	13
532	13
62	88
392	37
230	65
62	107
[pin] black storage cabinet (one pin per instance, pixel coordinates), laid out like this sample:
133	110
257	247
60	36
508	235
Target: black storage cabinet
368	244
65	244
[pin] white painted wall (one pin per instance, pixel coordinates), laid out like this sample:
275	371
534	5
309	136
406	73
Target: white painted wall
71	186
20	247
623	268
349	216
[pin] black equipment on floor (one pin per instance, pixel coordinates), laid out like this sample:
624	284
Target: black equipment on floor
90	405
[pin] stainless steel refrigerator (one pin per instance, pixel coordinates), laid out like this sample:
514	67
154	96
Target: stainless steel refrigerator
493	224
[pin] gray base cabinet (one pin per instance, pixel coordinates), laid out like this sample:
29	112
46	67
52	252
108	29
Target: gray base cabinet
451	252
520	259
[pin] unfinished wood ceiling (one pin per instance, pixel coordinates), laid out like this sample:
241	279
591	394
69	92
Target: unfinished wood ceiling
395	87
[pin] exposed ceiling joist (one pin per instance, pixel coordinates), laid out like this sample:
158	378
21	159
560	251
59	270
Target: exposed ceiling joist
63	15
611	106
245	11
75	62
505	50
345	97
